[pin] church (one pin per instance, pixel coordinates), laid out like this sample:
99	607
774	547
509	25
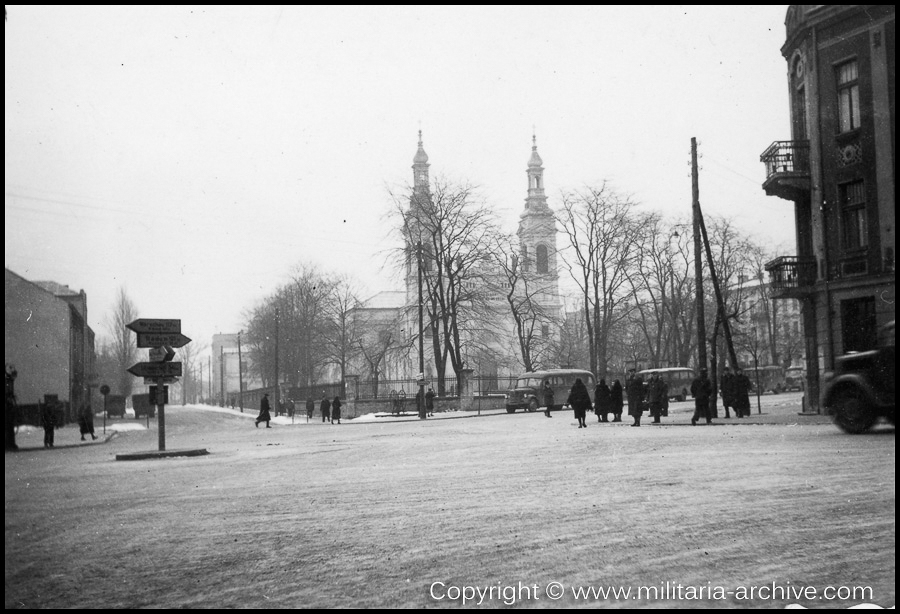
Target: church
389	320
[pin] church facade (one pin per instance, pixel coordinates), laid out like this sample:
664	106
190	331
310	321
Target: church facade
522	280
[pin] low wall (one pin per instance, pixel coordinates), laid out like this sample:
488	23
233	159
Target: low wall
362	407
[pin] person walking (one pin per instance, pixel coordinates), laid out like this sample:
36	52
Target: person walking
701	390
336	410
580	401
634	388
665	399
310	408
48	421
325	408
429	401
602	401
656	394
726	385
86	421
264	409
547	398
741	390
616	400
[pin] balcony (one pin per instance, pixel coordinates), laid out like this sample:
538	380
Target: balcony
791	276
787	169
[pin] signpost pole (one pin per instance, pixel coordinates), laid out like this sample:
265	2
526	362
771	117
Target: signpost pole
161	408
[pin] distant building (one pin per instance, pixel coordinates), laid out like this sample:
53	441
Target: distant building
838	172
226	369
49	342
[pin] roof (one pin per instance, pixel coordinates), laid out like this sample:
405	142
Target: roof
388	299
55	288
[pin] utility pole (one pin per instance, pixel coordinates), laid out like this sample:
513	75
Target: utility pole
421	396
240	375
277	388
222	373
209	376
698	259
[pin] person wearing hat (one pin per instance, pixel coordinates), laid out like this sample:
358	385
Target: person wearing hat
264	408
701	390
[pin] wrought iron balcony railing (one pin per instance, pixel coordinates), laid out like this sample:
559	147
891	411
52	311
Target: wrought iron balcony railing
791	276
787	168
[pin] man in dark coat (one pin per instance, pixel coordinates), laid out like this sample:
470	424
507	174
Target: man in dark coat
741	388
634	388
726	385
325	408
656	395
616	400
86	422
336	410
310	408
48	421
701	390
264	409
429	401
602	401
580	401
547	394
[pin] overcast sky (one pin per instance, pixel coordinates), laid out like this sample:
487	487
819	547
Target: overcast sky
195	155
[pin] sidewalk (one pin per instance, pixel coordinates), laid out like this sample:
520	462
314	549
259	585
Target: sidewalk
30	437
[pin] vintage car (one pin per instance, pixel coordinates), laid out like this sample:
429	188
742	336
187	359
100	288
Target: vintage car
860	390
526	393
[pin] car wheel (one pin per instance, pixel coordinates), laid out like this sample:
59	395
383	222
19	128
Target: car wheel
533	405
851	412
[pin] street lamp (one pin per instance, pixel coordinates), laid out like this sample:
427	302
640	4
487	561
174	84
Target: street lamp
421	396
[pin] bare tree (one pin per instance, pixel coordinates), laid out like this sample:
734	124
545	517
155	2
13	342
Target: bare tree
342	329
123	344
526	295
380	336
603	233
189	355
457	232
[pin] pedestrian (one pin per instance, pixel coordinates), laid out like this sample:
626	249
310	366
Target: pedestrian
336	410
12	409
602	401
741	387
616	400
665	401
310	408
656	393
701	390
291	408
429	401
580	401
726	386
634	388
547	398
325	408
264	409
48	421
86	421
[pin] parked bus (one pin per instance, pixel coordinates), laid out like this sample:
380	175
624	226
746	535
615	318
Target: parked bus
678	378
526	392
766	378
795	378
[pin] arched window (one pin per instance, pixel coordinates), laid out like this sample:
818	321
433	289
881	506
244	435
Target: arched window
541	257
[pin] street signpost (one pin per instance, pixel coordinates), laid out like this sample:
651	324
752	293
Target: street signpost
161	336
144	325
155	340
156	369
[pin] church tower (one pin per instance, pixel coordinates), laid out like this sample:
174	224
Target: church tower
421	195
537	232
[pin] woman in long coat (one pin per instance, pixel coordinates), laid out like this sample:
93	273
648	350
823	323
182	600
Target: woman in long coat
616	400
336	410
602	401
264	411
580	401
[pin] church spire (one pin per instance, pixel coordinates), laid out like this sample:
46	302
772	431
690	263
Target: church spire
420	167
536	200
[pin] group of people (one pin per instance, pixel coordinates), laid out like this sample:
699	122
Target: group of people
330	408
652	396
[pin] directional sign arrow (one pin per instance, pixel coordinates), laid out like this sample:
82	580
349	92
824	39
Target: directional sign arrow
158	340
145	325
163	354
156	369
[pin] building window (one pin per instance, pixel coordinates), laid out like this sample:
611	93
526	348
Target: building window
853	215
541	256
545	330
848	96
